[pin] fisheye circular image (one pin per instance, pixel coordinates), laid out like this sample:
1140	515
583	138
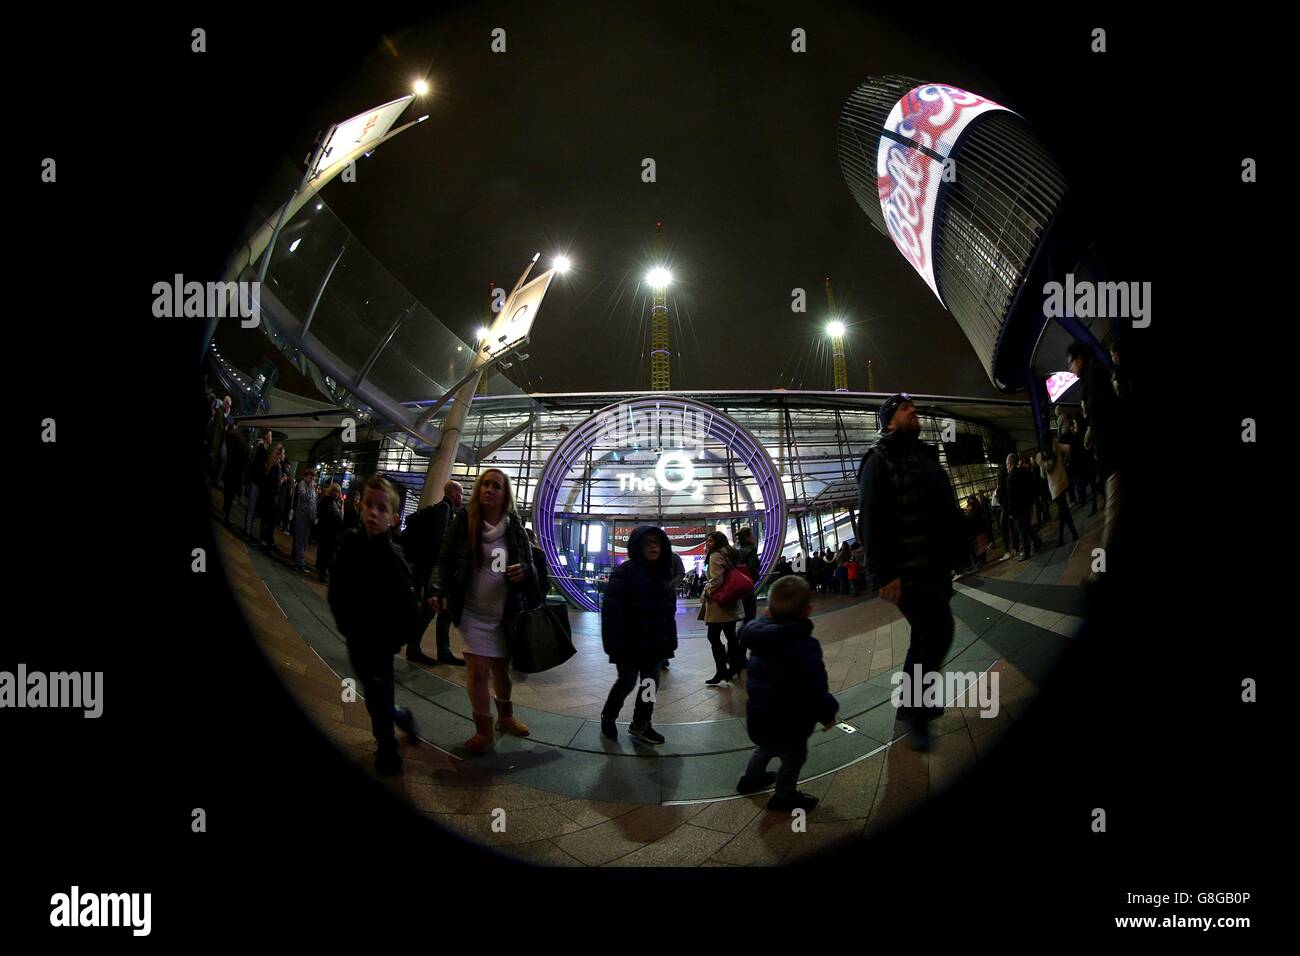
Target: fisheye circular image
644	445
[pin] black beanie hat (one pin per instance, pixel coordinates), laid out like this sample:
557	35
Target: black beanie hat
891	405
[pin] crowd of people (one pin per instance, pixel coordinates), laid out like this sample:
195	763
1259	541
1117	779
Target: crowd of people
473	565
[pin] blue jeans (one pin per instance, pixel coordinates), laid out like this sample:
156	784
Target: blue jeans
787	775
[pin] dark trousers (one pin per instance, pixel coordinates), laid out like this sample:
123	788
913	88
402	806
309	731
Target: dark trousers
251	493
925	605
1026	531
270	509
632	677
732	654
325	552
442	630
787	775
1009	531
751	607
230	491
375	675
1064	520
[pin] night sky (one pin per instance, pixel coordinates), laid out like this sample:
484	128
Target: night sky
539	149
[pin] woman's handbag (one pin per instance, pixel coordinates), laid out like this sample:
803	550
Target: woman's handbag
736	585
539	638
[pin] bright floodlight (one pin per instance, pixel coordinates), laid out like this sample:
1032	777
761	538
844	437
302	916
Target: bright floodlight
659	277
420	87
562	264
482	333
835	329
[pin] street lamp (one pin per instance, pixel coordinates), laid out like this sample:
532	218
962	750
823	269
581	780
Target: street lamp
659	277
562	264
420	87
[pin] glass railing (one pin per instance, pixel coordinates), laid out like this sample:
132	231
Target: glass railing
351	306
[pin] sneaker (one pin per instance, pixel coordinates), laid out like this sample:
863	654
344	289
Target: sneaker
646	734
795	801
748	784
608	727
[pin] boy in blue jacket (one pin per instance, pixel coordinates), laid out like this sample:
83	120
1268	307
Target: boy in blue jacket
788	693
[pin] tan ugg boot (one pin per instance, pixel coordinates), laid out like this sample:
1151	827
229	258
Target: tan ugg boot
482	741
506	721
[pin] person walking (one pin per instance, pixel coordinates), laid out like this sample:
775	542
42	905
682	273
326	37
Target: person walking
914	537
1024	492
788	695
253	482
304	516
484	577
1106	420
721	619
232	481
329	522
1053	468
272	479
747	555
422	544
374	606
638	630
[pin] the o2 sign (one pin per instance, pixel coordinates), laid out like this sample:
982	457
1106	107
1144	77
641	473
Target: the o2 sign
676	461
680	429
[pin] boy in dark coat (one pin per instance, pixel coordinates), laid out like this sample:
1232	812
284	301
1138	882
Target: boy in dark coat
788	693
638	629
375	608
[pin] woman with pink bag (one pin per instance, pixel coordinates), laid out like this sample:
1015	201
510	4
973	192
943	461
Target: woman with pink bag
721	559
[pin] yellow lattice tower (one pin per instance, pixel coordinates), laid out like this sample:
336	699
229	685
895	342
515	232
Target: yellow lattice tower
659	353
836	331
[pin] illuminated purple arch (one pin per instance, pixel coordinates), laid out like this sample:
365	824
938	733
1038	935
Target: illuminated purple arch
721	428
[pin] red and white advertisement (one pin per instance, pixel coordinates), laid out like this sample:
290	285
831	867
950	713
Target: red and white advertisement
688	541
929	120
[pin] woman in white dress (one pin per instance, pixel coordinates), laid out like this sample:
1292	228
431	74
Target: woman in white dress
484	577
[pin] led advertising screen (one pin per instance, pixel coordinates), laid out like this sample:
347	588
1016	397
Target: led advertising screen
920	133
687	541
1058	383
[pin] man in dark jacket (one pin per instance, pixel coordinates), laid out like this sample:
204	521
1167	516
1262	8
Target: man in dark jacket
747	554
253	483
232	481
788	693
914	537
638	629
421	543
375	609
1105	414
1023	487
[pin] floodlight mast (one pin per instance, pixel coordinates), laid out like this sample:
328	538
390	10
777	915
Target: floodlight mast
836	331
659	351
